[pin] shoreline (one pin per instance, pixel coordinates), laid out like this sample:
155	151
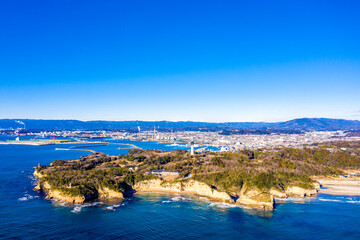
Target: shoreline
189	193
41	143
340	187
71	149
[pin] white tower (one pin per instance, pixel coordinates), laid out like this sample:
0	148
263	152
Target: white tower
192	149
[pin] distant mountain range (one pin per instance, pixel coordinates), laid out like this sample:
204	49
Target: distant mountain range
292	126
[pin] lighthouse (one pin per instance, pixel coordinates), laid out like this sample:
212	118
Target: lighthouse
192	149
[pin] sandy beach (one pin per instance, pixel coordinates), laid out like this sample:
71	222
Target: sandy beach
340	187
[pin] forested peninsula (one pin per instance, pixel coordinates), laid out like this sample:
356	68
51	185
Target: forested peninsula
250	178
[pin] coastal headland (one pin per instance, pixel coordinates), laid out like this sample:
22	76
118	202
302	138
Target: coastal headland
247	178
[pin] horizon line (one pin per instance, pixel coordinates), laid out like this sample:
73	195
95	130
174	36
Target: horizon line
59	119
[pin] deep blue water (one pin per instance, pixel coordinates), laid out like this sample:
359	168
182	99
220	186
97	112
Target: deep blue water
24	214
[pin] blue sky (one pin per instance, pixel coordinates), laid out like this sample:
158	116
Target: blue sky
179	60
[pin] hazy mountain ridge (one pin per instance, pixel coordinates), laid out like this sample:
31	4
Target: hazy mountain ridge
303	124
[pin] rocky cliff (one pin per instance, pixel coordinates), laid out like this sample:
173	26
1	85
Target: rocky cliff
247	196
295	191
255	198
64	196
188	187
106	193
58	194
252	198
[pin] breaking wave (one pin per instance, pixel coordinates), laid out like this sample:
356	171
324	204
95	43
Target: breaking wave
178	199
330	200
181	199
78	207
115	207
223	205
27	197
342	200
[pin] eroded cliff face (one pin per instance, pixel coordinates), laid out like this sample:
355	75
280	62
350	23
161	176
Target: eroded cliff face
188	187
247	196
316	185
106	193
203	189
103	193
254	198
156	185
38	175
61	196
295	191
57	194
277	193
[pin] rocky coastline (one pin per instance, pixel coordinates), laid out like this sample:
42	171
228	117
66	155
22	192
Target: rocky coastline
247	196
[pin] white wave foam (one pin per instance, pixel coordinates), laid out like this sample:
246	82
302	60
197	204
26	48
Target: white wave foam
181	199
114	207
110	208
76	209
330	200
204	199
27	197
58	202
223	205
79	207
290	199
31	177
92	204
178	199
342	200
352	200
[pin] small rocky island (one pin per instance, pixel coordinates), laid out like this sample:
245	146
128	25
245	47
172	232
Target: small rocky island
247	178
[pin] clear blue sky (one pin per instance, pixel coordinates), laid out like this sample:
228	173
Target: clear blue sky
179	60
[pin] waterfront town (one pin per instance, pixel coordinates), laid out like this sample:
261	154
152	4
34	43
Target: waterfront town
202	141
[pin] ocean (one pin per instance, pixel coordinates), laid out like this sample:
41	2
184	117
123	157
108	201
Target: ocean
26	214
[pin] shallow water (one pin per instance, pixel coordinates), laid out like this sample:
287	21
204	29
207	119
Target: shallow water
24	214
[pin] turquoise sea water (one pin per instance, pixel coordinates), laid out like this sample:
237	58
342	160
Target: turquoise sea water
25	214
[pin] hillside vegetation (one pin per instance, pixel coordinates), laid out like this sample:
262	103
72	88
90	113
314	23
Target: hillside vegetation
228	172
